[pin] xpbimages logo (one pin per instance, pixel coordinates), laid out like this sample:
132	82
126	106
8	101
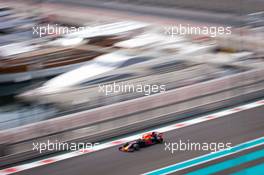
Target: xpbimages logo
43	30
212	31
61	146
187	145
116	88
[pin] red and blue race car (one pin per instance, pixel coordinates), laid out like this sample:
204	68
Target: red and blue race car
146	140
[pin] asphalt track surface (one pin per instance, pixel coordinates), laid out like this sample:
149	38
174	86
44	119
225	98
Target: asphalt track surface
235	128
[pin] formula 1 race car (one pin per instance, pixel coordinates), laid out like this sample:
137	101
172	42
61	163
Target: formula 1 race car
146	140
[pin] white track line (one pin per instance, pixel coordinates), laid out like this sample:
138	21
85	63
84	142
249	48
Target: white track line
130	138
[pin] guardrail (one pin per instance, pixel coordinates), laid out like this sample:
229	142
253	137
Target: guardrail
113	120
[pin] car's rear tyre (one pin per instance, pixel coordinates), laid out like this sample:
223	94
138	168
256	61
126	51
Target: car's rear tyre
159	140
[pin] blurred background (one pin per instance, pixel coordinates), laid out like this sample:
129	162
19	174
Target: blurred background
30	60
54	54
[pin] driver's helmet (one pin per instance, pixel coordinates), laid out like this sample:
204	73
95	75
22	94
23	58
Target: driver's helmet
153	134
